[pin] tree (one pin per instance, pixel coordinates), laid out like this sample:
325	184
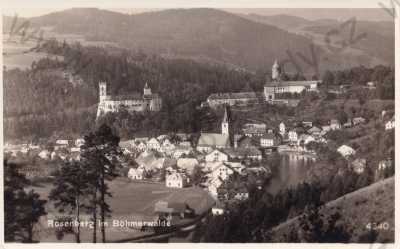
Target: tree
70	187
197	175
100	153
318	227
21	210
328	78
32	208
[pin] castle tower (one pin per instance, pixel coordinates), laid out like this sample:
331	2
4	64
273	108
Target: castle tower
102	91
276	71
146	90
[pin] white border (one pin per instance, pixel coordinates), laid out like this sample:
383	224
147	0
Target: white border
48	4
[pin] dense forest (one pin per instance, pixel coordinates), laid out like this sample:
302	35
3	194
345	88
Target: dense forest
40	103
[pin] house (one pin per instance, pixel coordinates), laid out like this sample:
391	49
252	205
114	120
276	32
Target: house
79	142
187	164
75	149
346	151
136	174
176	180
169	210
358	120
304	139
307	124
237	167
292	136
161	138
371	85
209	141
222	170
167	146
142	139
326	128
218	209
141	146
127	146
181	150
213	184
241	194
268	140
390	124
359	165
44	154
335	124
348	124
315	131
243	153
148	160
385	164
259	170
61	143
153	144
216	156
254	130
282	129
185	144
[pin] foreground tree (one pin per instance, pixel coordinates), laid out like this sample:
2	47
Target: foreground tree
21	210
70	190
99	157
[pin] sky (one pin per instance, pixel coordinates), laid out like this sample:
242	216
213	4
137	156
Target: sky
270	7
376	14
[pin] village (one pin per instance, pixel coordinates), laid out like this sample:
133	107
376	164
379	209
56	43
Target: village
211	159
221	163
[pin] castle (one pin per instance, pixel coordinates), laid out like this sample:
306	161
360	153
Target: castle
271	88
132	103
279	86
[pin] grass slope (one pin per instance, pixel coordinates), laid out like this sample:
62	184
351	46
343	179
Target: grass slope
372	204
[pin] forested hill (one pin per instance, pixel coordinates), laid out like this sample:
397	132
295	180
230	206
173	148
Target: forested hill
40	102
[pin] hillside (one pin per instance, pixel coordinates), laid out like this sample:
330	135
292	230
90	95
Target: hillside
370	204
377	46
202	34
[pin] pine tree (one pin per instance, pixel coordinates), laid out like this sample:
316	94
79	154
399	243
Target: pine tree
22	210
70	190
100	160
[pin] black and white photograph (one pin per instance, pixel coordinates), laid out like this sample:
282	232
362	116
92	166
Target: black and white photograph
199	124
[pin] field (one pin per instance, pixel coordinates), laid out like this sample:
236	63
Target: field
18	55
131	201
373	204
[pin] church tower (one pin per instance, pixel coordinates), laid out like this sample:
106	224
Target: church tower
146	90
225	125
276	71
102	91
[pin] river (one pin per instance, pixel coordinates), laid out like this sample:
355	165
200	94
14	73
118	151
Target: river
292	171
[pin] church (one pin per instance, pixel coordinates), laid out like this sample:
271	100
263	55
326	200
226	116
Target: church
132	103
210	141
277	85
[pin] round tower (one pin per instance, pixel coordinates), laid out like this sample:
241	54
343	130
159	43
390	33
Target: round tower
276	71
102	91
146	90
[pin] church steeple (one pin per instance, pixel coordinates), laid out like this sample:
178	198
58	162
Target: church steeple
225	122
